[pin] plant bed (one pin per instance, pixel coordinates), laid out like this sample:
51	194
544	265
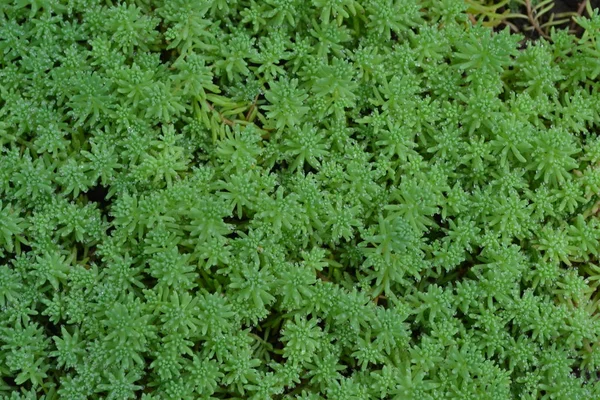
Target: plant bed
290	199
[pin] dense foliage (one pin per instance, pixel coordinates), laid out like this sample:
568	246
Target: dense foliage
294	199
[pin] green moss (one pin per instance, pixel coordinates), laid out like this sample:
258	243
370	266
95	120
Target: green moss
290	199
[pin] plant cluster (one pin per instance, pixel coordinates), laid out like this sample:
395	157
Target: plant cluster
290	199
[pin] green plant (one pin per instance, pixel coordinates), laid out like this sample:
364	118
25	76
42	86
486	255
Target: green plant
292	199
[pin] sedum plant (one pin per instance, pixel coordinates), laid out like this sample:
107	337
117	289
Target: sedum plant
287	199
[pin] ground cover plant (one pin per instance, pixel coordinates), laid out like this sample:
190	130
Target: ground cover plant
293	199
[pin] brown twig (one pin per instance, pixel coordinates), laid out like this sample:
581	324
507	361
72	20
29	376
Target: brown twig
473	20
580	11
533	21
225	120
